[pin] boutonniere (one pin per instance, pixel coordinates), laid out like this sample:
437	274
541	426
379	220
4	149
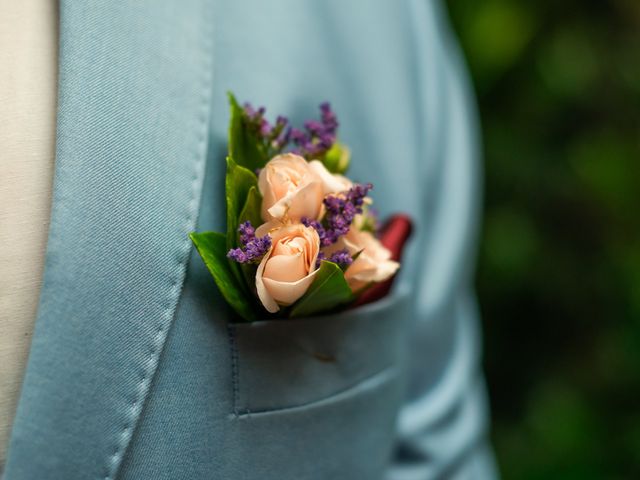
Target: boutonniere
302	238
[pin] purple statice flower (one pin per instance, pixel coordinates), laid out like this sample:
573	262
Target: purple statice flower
247	232
273	137
341	257
329	118
317	226
318	136
256	120
297	136
341	210
237	255
252	248
314	127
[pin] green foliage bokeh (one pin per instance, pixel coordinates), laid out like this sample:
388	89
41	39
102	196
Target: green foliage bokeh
558	86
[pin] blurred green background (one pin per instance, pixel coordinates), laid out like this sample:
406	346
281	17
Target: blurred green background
558	85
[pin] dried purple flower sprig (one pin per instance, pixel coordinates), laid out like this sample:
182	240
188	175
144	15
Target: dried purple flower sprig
252	248
312	142
319	136
274	137
341	257
340	212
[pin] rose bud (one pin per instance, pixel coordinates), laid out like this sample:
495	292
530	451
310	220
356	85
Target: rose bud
373	262
289	267
290	189
393	235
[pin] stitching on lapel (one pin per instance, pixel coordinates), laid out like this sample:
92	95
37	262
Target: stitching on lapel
150	364
235	380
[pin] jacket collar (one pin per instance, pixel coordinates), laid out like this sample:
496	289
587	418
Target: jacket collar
133	115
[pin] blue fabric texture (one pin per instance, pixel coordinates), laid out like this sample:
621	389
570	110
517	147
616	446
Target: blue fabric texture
136	370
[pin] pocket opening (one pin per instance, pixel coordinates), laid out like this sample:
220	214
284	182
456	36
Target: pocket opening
288	364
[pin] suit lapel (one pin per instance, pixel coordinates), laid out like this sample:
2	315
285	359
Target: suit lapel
133	113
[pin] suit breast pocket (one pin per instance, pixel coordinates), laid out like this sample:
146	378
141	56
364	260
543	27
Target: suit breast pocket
282	364
317	398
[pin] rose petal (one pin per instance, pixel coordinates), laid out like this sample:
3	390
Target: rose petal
305	202
378	272
372	265
285	268
285	293
331	183
283	274
263	294
284	185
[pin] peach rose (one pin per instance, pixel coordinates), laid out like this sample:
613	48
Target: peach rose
289	267
374	264
290	189
331	183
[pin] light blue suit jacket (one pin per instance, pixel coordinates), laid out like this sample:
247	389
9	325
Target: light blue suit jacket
135	371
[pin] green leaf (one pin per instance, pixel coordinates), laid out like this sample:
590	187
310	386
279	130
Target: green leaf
239	181
244	146
212	247
251	209
329	290
251	212
337	158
